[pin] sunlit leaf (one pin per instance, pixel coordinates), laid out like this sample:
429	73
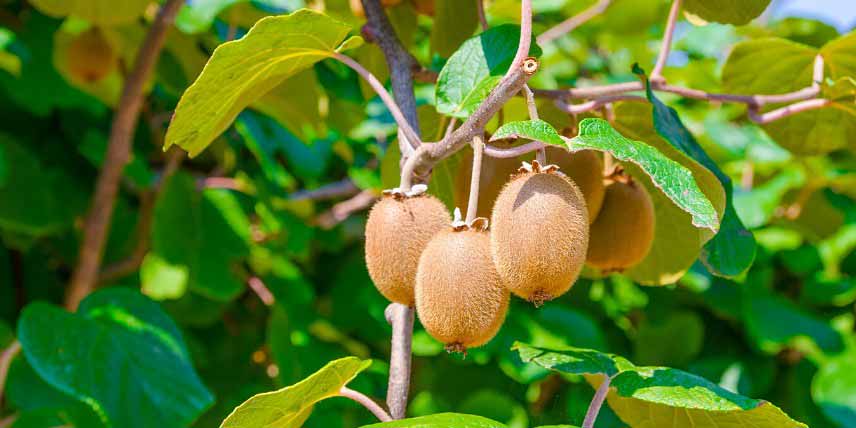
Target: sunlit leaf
441	420
736	12
103	12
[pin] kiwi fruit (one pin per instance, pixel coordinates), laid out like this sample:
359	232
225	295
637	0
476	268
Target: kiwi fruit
494	174
397	231
539	233
357	6
623	232
585	169
90	56
459	297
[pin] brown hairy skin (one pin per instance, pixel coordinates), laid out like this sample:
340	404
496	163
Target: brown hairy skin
459	298
539	235
585	169
397	231
494	174
624	231
90	56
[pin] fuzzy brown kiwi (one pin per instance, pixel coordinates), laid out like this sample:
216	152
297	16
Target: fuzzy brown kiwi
539	234
495	173
585	169
90	56
459	297
623	232
397	231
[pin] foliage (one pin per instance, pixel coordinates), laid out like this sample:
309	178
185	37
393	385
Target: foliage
237	275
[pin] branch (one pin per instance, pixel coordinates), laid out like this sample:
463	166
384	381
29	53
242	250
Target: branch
596	103
342	210
399	115
400	317
482	16
97	223
5	361
525	38
261	290
596	403
540	154
401	66
366	402
475	179
144	224
339	189
799	107
573	22
666	46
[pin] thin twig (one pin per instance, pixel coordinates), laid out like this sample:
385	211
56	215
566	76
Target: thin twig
799	107
366	402
596	103
5	361
400	317
397	113
666	46
596	403
525	37
513	152
258	286
342	210
482	15
540	154
97	223
475	179
573	22
340	189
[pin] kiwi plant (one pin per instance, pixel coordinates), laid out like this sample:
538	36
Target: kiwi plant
495	172
399	227
540	233
585	169
90	56
460	299
623	232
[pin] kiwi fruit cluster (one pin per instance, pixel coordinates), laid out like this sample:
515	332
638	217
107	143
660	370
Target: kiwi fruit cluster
546	223
90	56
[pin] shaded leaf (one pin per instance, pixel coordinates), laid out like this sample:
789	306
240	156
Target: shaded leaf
291	406
103	12
834	388
118	344
454	22
241	71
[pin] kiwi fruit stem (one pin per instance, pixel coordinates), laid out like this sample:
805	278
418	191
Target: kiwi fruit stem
540	154
478	153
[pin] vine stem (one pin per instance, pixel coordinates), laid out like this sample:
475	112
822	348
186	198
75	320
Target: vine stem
401	318
475	179
5	361
573	22
525	37
541	153
97	222
666	46
366	402
596	403
482	16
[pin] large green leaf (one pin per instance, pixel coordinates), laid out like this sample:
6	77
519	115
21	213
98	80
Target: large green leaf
736	12
242	71
476	68
776	66
198	237
660	396
673	179
441	420
732	250
102	12
834	387
291	406
536	130
197	16
120	354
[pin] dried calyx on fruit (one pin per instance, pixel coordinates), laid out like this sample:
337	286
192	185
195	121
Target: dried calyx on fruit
398	229
539	233
459	297
90	57
623	232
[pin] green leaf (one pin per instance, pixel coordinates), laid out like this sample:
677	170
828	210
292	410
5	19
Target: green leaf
536	130
291	406
162	280
834	388
441	420
679	338
241	71
659	396
205	233
732	250
102	12
476	68
736	12
454	22
120	354
197	16
776	66
673	179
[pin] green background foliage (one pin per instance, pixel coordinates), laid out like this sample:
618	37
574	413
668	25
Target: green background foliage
743	311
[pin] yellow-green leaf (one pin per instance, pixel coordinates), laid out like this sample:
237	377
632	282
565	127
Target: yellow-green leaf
242	71
290	407
102	12
736	12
